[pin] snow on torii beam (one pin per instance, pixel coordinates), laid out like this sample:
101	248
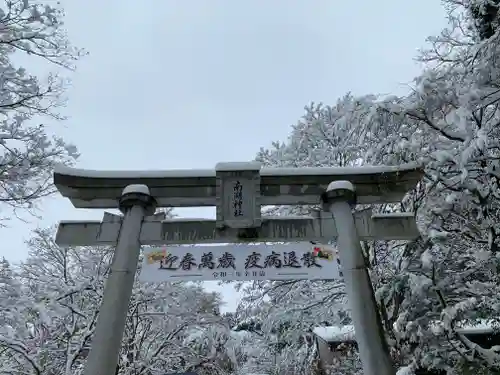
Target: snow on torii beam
196	188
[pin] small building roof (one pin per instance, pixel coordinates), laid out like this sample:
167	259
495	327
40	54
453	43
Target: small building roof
346	333
335	333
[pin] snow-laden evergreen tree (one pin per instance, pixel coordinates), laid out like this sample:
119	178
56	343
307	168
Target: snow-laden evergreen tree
275	347
34	31
447	278
449	123
295	307
49	305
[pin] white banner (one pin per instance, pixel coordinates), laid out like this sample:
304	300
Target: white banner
293	261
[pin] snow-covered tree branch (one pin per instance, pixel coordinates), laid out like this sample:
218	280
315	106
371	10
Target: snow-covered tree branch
33	31
49	306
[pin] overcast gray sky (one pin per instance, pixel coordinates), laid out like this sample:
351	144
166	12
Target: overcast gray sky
186	84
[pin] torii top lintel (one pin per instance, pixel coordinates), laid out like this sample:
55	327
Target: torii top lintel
196	188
